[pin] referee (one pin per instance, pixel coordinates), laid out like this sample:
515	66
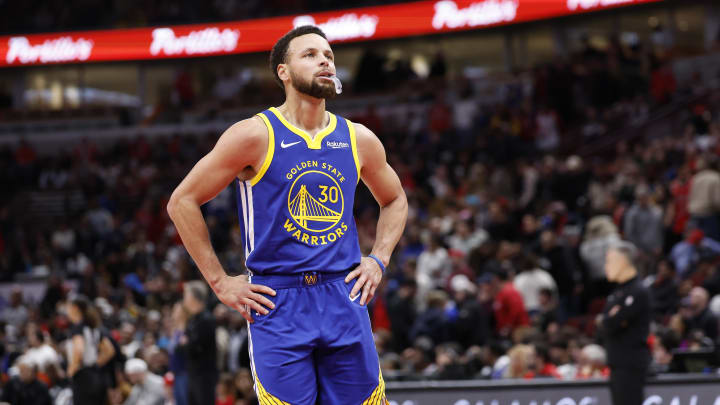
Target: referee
625	322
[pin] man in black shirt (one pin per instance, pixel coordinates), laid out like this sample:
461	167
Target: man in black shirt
26	389
697	315
201	349
626	325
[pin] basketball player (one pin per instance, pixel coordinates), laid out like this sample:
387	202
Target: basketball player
296	168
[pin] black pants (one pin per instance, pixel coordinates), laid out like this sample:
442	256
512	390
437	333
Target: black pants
627	386
89	387
201	389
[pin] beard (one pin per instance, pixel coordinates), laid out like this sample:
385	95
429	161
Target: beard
315	87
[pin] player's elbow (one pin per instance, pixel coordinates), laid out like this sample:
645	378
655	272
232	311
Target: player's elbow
401	200
173	206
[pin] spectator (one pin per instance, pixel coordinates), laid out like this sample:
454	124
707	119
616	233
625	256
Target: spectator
201	360
473	323
522	361
433	266
688	252
25	389
225	392
697	315
447	359
16	314
39	353
547	317
665	342
402	312
147	388
543	364
88	351
561	265
704	198
530	282
643	225
593	363
466	239
508	306
433	322
664	290
177	351
496	360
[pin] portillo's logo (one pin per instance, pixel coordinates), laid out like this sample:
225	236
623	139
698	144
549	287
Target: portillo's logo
315	203
62	49
208	40
488	12
587	4
347	26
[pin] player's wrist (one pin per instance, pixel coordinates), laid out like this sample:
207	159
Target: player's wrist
219	284
379	262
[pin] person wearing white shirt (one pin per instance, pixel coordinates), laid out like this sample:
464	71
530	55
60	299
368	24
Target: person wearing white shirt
148	388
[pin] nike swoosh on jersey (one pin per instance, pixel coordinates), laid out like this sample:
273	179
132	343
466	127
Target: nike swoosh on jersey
287	145
353	299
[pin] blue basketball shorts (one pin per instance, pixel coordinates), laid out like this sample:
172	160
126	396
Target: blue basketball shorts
316	346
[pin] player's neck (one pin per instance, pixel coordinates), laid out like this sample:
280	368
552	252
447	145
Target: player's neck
307	113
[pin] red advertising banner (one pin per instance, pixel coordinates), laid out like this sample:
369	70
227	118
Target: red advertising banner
392	21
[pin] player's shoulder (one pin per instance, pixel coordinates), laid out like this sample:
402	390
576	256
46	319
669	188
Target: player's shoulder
248	131
253	126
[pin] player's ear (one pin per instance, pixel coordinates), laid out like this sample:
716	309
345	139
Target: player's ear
283	71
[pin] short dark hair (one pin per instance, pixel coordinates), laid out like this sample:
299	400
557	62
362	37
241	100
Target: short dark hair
278	54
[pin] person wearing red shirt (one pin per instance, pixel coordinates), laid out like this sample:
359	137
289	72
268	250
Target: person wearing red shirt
508	305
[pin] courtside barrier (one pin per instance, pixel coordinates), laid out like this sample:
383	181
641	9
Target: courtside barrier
671	389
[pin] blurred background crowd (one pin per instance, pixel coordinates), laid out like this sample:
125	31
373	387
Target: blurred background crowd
500	273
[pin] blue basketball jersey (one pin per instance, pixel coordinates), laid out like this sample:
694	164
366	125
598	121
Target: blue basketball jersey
297	212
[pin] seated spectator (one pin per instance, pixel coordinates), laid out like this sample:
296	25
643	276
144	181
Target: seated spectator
688	252
148	388
225	391
696	314
664	290
522	362
495	359
447	358
665	342
547	318
592	363
543	363
25	388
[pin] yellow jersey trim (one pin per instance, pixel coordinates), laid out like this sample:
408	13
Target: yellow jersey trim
269	154
377	397
312	143
353	142
266	398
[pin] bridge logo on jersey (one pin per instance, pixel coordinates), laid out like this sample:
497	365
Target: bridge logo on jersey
315	203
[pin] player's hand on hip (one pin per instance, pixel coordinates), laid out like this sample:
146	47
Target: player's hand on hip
237	293
369	275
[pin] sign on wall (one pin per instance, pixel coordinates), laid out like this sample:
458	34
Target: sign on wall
552	392
392	21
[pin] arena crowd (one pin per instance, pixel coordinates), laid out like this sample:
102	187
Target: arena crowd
499	273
